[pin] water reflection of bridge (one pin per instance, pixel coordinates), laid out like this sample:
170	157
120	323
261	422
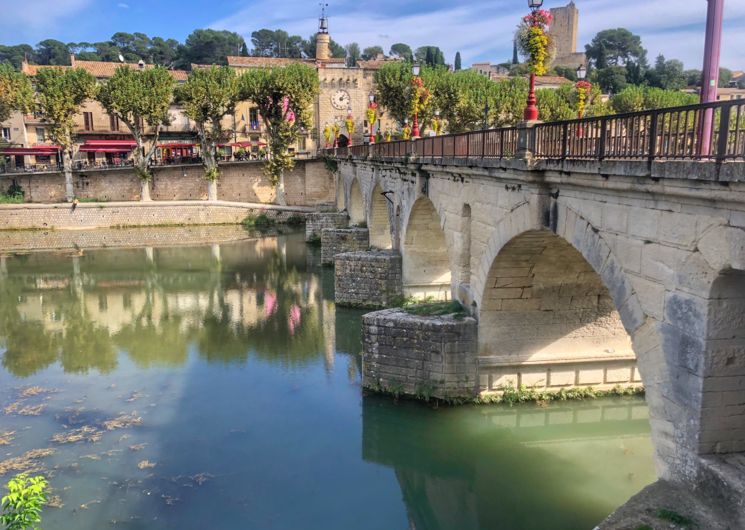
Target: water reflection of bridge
524	453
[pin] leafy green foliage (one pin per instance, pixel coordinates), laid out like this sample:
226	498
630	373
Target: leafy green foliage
139	97
16	92
667	74
23	504
277	43
402	51
675	518
284	97
258	221
615	47
431	56
371	52
59	95
436	309
209	46
640	98
207	96
458	62
353	53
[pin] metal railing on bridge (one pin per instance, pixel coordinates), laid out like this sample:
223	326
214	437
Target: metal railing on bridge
708	132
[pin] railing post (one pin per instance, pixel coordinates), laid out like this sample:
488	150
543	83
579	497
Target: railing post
483	144
653	125
723	139
603	138
565	141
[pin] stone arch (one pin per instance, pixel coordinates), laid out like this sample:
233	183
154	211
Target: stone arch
356	205
426	263
544	305
723	400
379	223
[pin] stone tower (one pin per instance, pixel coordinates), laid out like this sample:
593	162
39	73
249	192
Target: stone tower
564	29
323	41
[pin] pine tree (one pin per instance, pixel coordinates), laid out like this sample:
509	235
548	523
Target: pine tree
244	50
515	59
458	64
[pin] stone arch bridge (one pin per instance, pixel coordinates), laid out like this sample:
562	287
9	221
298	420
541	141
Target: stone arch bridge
579	272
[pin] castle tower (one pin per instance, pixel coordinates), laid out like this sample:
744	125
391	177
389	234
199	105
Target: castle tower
323	40
564	29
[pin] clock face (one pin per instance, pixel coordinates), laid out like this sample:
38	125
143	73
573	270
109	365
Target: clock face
341	100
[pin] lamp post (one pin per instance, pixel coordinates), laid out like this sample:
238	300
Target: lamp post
415	70
372	115
710	78
581	75
531	110
486	113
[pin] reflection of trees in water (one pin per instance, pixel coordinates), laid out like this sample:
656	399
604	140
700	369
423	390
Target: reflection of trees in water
153	313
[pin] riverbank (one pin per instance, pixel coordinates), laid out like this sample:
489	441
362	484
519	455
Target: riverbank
96	215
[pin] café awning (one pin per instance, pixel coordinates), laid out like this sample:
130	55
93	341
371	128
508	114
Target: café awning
39	150
176	146
108	146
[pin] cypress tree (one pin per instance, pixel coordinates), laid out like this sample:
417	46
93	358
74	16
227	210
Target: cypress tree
458	64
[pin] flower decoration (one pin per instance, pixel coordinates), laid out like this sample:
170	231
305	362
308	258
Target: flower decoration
437	125
349	125
372	114
406	131
328	134
421	96
583	95
534	40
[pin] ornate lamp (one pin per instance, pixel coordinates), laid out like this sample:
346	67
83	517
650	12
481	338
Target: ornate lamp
535	4
581	72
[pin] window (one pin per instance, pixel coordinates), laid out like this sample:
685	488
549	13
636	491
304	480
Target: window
253	118
41	135
6	134
114	123
88	120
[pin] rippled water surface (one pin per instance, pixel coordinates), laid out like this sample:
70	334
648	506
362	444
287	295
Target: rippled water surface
218	387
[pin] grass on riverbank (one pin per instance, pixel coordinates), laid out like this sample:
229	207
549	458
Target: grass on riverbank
10	199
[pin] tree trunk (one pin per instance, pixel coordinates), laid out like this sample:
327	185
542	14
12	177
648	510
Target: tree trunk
145	195
212	190
281	198
67	168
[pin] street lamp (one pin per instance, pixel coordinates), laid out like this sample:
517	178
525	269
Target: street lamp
531	110
415	70
581	72
486	113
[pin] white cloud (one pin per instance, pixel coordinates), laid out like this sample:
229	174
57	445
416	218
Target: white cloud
35	21
122	5
482	30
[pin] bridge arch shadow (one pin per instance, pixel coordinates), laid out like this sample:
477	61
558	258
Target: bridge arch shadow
426	262
356	205
379	223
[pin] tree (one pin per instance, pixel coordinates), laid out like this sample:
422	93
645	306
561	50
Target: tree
15	55
640	98
458	64
209	46
430	55
615	47
393	82
725	76
208	95
668	75
59	95
53	52
277	43
164	52
353	54
693	77
16	93
21	508
372	52
140	98
284	97
402	51
244	50
612	79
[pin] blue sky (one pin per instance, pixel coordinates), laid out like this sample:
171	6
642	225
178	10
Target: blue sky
479	29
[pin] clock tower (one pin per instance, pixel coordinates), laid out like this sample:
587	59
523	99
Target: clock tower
323	41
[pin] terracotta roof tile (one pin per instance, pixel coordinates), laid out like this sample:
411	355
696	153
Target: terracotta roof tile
100	69
265	62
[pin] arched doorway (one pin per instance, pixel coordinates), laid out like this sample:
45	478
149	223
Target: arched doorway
426	265
723	399
356	205
380	223
548	321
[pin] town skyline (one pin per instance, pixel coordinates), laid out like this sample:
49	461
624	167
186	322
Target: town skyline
676	33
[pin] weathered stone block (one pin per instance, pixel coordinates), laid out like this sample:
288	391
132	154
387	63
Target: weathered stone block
440	354
341	240
316	222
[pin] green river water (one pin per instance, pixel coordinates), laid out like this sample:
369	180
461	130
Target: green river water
218	387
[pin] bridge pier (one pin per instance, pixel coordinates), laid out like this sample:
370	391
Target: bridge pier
368	279
336	241
316	222
420	356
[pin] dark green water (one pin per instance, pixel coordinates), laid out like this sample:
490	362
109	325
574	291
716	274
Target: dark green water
236	383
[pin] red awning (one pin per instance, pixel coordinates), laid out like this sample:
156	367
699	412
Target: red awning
175	146
40	150
121	150
242	144
119	145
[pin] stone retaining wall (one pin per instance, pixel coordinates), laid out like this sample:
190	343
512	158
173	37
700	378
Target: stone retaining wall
340	240
107	215
316	222
309	184
419	356
368	279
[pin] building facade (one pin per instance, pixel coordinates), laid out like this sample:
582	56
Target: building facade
564	31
